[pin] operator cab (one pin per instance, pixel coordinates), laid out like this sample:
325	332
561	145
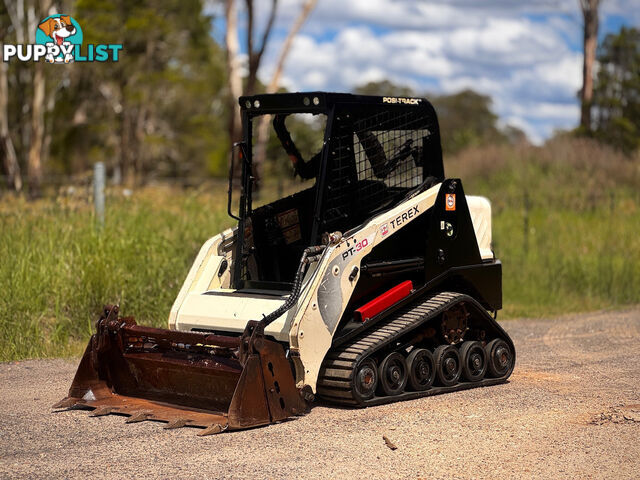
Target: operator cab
347	158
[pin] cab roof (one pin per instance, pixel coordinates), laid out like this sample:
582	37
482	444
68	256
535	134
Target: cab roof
322	102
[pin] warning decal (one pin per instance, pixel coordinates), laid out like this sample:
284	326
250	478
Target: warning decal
450	204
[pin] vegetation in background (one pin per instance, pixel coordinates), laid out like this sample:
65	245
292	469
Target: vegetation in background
566	215
157	111
58	269
160	110
465	118
617	91
565	225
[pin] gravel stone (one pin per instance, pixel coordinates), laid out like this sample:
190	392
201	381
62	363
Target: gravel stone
570	410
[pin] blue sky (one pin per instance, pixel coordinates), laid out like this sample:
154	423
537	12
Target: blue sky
525	55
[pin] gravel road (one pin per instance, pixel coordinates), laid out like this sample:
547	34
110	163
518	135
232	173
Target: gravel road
570	410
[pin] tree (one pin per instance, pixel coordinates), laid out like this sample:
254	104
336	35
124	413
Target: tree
616	97
272	86
255	53
7	150
590	42
155	110
25	112
465	117
385	88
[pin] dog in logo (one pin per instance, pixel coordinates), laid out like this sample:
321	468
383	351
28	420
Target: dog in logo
59	29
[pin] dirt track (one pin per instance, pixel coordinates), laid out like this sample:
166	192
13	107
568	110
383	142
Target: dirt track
571	410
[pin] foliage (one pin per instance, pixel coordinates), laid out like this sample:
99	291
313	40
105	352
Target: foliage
159	111
465	117
466	120
385	88
617	90
565	222
58	268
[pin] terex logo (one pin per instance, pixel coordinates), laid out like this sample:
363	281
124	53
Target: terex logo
59	40
400	219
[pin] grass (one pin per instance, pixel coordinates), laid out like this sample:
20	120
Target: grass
566	219
566	222
58	269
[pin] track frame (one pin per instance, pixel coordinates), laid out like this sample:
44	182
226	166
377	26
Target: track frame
335	383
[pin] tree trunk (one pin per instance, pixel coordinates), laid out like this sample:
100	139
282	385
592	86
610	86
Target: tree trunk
234	81
263	123
34	161
38	106
590	44
9	157
255	55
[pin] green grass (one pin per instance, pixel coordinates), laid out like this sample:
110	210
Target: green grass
58	269
566	226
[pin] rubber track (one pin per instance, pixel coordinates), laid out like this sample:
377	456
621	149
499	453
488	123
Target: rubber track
336	374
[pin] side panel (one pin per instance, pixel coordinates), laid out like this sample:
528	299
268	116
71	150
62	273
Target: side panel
313	328
203	274
480	209
453	244
451	238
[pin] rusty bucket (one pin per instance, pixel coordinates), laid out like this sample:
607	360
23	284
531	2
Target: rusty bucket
184	378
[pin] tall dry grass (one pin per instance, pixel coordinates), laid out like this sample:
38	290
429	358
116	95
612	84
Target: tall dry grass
58	268
566	222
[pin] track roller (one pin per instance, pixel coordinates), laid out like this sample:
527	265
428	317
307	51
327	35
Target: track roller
448	365
421	369
365	381
393	374
474	361
500	357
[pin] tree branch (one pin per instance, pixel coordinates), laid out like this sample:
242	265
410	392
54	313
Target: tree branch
255	56
268	28
249	4
308	6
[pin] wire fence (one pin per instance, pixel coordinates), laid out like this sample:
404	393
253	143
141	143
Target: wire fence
53	186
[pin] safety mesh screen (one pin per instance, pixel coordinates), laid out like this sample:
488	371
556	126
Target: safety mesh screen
375	160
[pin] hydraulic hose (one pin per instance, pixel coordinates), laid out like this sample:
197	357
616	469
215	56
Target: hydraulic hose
309	255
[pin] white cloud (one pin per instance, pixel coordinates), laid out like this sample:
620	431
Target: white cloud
519	53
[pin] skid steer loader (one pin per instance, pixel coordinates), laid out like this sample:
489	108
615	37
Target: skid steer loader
373	283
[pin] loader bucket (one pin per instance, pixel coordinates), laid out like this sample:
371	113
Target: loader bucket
184	378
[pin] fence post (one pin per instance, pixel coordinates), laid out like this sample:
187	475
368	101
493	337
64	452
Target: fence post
525	222
98	191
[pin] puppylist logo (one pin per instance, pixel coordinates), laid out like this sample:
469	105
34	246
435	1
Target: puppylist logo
59	40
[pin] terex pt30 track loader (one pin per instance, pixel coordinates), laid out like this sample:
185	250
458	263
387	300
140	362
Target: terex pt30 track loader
374	283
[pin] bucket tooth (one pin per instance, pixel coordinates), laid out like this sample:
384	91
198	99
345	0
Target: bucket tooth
67	402
138	417
213	429
176	423
101	411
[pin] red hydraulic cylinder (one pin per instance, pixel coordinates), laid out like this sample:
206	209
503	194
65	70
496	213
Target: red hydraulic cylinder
384	301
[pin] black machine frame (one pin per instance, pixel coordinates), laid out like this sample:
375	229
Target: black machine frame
344	112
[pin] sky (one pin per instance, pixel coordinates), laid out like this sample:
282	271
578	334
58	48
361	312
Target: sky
527	55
